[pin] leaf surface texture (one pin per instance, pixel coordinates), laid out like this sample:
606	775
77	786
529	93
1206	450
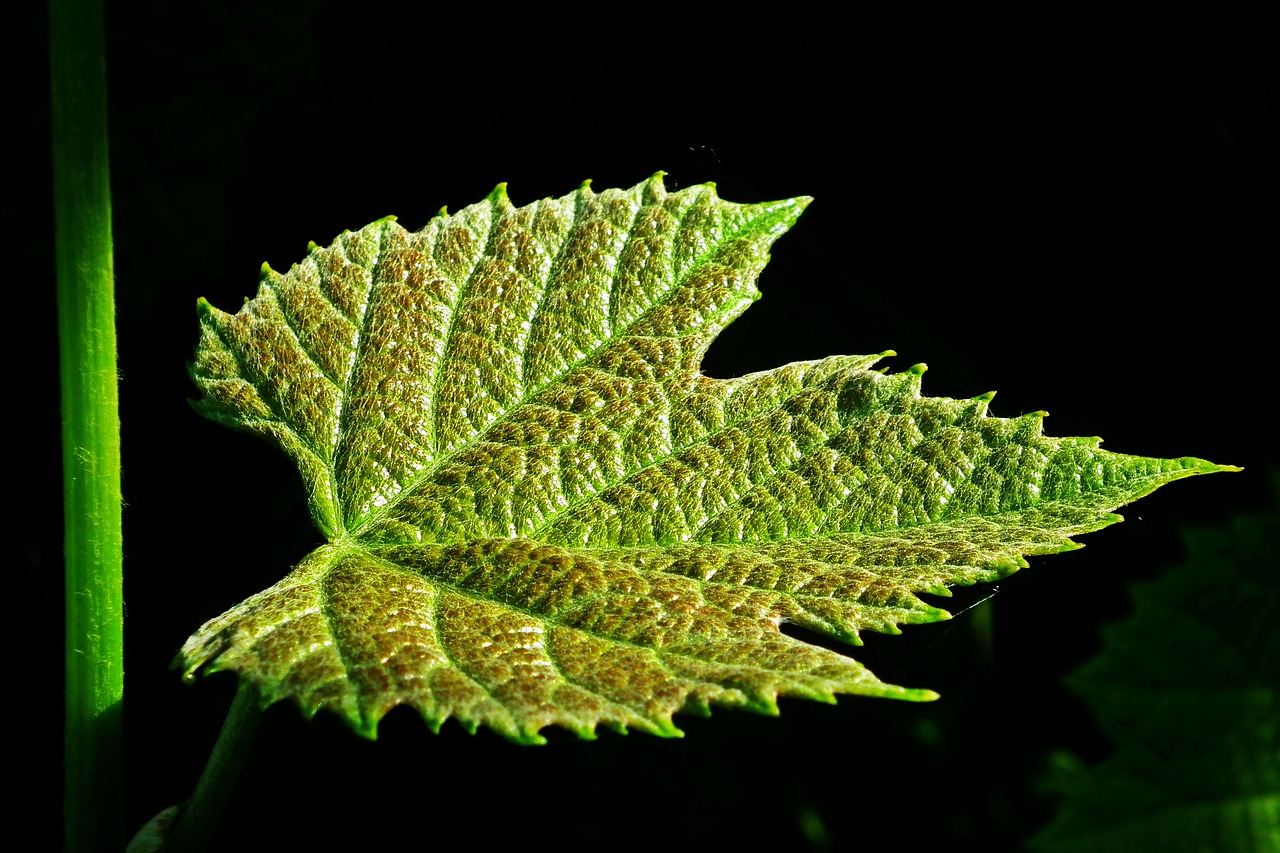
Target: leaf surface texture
540	512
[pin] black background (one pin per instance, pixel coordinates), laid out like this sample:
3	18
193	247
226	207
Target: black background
1074	207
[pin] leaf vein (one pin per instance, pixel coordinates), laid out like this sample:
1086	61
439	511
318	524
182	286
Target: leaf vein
291	324
446	350
248	376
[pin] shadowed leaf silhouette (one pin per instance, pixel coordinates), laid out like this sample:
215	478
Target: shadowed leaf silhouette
539	512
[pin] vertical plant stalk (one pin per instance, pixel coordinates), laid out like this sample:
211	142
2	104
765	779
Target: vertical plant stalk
90	429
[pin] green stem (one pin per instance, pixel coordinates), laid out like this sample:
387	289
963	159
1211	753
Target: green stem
195	827
90	428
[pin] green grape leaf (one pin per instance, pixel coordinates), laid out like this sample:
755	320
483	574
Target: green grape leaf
1188	687
539	512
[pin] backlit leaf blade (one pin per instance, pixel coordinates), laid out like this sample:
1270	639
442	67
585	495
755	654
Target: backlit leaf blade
514	635
378	360
540	512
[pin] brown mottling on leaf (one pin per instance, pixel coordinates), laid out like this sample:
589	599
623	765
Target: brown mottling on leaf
540	513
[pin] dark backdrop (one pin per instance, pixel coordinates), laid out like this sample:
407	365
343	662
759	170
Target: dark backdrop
1075	208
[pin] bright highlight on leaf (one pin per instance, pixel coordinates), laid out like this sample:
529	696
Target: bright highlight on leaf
540	513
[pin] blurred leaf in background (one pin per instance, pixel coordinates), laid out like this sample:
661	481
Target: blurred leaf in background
1187	688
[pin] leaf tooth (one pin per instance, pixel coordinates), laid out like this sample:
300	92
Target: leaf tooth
366	726
206	311
434	721
585	730
654	189
978	410
498	194
664	726
1072	545
765	701
925	616
1030	426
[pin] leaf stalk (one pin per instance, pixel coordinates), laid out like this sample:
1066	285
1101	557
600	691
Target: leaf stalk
196	825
